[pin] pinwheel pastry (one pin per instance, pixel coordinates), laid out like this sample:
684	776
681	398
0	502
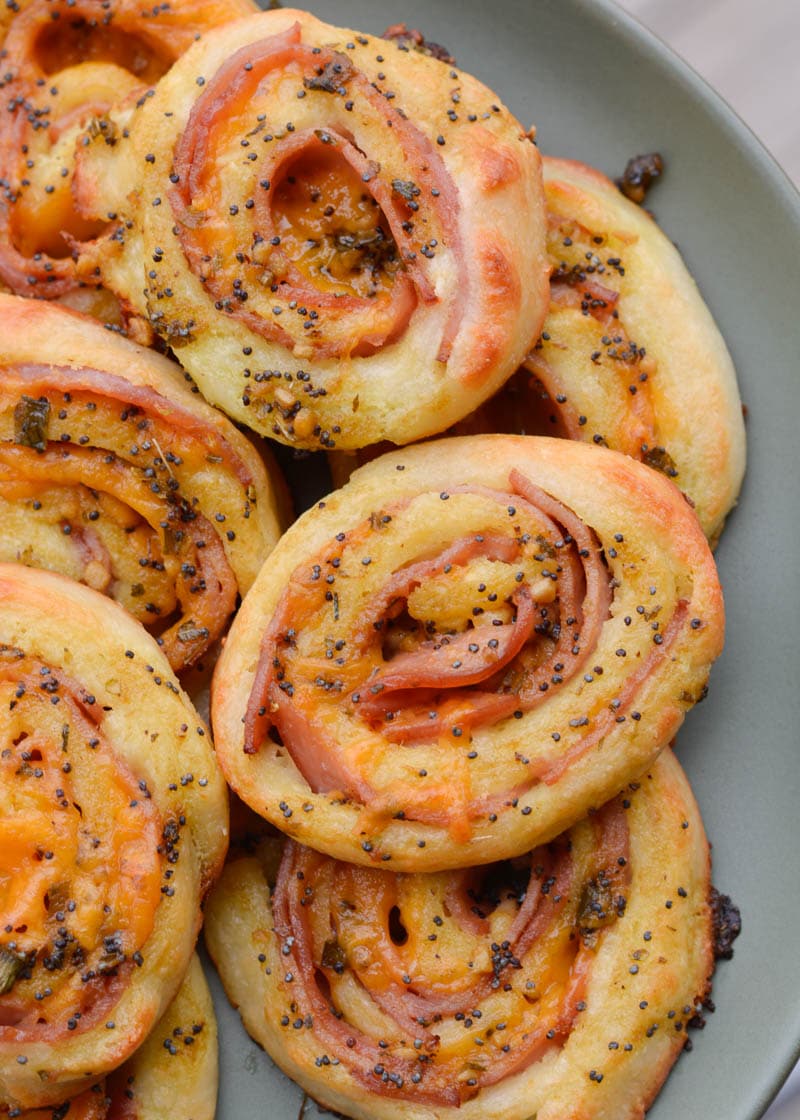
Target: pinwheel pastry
65	63
558	985
345	236
114	473
113	823
173	1073
629	356
464	650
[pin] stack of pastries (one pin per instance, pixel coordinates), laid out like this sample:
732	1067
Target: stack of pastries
467	876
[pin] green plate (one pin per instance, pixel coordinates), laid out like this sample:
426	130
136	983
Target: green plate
601	89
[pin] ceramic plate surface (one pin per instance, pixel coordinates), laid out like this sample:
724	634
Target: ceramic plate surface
600	89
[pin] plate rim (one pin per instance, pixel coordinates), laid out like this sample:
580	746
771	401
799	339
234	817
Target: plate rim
738	132
739	136
734	125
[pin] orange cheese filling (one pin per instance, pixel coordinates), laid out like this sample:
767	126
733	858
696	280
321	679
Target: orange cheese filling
41	220
107	507
80	862
451	981
331	228
68	42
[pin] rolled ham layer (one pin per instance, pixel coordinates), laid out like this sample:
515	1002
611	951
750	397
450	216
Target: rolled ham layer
176	1067
302	209
452	651
111	476
107	845
557	982
66	64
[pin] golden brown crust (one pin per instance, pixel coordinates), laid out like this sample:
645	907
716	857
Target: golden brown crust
176	1071
629	356
695	400
465	289
110	726
345	652
173	1073
124	469
612	1024
65	63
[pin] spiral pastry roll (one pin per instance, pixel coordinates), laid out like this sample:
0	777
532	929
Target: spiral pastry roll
113	823
114	473
173	1073
319	214
465	649
65	63
629	356
559	984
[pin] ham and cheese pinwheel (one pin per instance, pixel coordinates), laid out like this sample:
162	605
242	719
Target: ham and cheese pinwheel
66	62
173	1073
464	650
113	824
344	237
629	356
114	473
558	985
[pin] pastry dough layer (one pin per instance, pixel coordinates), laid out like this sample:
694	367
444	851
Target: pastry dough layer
114	822
246	190
65	63
630	356
462	651
559	986
176	1071
113	472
